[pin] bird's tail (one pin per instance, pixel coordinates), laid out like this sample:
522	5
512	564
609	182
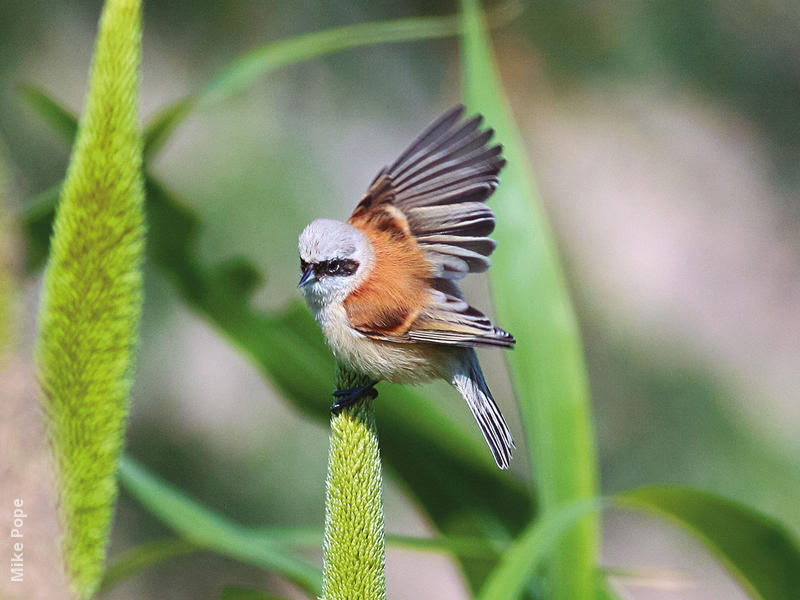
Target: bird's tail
468	379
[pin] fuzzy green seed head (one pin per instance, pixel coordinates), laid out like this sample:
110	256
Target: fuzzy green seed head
355	564
92	297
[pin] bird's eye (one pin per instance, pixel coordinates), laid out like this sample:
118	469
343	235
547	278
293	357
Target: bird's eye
303	266
340	267
333	267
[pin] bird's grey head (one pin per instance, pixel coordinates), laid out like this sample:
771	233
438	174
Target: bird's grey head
334	259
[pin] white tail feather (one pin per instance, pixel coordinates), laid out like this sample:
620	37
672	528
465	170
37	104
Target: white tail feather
468	379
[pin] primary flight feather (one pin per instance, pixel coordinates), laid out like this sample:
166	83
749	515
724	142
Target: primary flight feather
383	286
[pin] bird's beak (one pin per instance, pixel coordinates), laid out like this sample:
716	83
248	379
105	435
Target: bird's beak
308	275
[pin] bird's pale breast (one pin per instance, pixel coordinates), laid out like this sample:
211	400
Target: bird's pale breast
397	362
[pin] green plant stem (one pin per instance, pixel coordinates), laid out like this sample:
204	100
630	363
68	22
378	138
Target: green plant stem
355	548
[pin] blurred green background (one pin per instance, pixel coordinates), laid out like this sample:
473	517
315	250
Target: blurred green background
666	140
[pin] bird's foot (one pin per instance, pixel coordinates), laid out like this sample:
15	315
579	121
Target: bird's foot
345	398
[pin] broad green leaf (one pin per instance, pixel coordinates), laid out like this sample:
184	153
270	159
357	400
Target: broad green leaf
92	297
210	531
531	300
533	548
237	593
758	551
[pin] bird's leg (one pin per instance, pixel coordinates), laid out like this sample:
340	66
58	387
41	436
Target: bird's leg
345	398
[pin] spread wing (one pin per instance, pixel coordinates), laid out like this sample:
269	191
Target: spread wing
431	201
448	319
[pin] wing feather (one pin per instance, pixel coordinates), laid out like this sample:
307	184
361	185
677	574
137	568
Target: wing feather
475	219
450	320
431	200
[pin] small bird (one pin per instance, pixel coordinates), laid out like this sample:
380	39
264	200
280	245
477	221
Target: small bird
383	285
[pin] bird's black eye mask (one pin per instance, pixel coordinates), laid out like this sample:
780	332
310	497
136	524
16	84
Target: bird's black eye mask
339	267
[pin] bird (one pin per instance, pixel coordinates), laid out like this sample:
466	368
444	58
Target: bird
384	285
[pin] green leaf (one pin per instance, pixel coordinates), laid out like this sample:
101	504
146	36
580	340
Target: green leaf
37	221
533	547
758	551
237	593
53	112
486	549
210	531
531	299
256	63
37	214
92	296
243	71
160	128
150	554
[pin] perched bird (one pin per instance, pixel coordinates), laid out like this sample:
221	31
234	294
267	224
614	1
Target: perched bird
383	285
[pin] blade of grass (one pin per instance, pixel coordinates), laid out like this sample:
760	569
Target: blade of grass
54	113
533	547
37	221
160	128
246	69
210	531
259	62
142	557
531	298
149	554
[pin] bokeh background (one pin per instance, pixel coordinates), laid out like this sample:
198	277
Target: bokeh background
665	137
